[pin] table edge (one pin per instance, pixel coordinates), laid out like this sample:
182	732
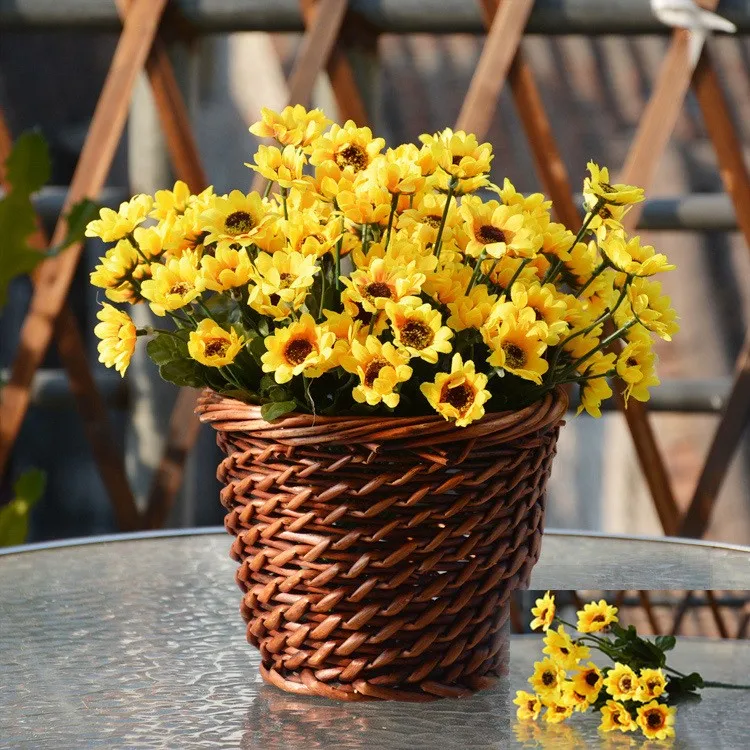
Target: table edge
211	530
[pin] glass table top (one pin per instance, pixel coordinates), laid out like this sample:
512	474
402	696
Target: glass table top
139	644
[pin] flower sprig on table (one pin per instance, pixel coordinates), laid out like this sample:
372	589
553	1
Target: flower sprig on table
639	691
367	279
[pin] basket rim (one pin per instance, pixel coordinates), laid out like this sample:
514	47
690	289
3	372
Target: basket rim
227	414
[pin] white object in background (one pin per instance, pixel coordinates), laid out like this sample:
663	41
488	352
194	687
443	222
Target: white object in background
685	14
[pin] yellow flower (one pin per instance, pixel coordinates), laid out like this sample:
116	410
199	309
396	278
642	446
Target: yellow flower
184	233
397	170
424	216
235	217
535	205
630	257
459	154
496	229
544	612
119	272
562	649
582	261
168	202
547	679
472	310
150	240
115	225
571	697
652	309
351	302
226	269
528	704
284	167
616	716
517	341
557	241
380	283
621	682
212	346
588	681
598	190
380	368
596	389
596	616
636	367
350	148
459	395
345	327
306	234
656	720
118	336
302	347
652	685
419	330
173	285
548	305
293	126
288	276
559	710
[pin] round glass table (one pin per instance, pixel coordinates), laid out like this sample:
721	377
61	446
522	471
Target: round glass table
136	642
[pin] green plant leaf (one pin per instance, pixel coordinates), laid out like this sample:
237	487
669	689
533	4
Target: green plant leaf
30	485
276	409
17	224
183	372
28	166
665	642
77	218
165	347
257	348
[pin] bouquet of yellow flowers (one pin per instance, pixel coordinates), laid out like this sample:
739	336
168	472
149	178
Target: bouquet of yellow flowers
367	279
638	692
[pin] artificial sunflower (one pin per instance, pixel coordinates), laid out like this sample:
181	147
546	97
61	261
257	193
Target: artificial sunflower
373	287
118	336
293	126
558	710
632	258
419	330
471	310
528	704
120	273
652	684
228	268
616	717
173	285
544	612
588	680
496	230
282	166
116	225
656	720
562	649
547	678
636	366
236	218
460	155
302	347
348	147
597	189
286	276
212	346
596	616
459	395
621	682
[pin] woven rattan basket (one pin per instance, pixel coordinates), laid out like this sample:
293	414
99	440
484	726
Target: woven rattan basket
377	555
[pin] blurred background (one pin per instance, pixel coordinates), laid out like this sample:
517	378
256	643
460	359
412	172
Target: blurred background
595	64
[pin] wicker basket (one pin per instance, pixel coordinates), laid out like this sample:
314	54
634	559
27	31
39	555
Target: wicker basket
377	555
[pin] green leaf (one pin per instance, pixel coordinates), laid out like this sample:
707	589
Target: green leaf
77	219
184	372
28	165
165	347
276	409
665	642
17	224
257	348
30	485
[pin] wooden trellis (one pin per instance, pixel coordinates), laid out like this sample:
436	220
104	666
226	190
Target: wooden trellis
501	59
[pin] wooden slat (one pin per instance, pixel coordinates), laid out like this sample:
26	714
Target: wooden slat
494	63
91	405
56	274
736	412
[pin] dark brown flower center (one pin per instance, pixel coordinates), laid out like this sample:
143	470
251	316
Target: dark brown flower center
181	287
378	289
456	159
537	314
417	334
632	362
626	684
461	397
605	213
352	156
591	679
488	234
548	678
564	651
654	719
616	719
363	315
433	221
598	618
373	370
239	222
297	351
216	347
285	278
515	357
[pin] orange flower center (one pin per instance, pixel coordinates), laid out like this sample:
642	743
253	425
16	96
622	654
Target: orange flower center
378	289
216	347
460	397
239	222
297	351
417	334
515	357
654	719
353	156
373	370
181	287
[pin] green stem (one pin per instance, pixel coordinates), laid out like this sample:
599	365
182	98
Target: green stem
394	205
373	320
596	273
725	685
439	239
322	292
475	275
365	238
525	262
284	192
602	345
267	190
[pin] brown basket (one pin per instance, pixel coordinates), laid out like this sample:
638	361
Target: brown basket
378	554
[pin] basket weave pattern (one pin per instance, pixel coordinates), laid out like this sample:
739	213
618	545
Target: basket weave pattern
377	555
